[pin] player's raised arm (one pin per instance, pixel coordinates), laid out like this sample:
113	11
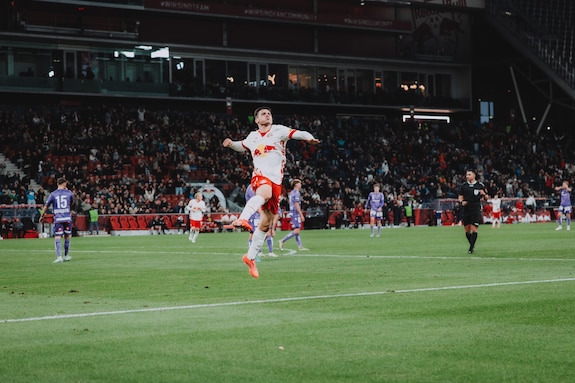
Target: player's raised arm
235	145
305	136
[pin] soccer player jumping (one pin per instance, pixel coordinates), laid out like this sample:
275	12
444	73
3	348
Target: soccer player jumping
267	146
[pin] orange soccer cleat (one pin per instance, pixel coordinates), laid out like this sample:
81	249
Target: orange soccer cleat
243	223
251	263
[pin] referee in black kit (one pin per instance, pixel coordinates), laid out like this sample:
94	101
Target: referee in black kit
471	193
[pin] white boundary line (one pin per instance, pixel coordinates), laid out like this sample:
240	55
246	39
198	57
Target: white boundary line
295	253
279	300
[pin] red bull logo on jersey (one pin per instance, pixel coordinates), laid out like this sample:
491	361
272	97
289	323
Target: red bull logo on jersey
263	150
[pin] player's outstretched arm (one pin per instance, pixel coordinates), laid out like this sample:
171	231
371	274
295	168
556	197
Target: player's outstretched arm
305	136
235	145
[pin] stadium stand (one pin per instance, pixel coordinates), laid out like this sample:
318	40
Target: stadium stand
138	157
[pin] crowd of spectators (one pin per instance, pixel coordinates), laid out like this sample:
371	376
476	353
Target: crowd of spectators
130	160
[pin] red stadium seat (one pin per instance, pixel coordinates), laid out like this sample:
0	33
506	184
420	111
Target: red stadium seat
115	222
143	222
134	225
124	223
169	223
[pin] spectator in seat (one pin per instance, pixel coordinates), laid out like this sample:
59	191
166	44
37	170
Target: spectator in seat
226	220
157	224
531	203
519	205
6	228
181	224
18	228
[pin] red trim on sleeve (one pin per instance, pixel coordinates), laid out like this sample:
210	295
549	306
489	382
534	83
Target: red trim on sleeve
292	133
245	147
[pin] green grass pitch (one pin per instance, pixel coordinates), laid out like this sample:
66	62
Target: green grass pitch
411	306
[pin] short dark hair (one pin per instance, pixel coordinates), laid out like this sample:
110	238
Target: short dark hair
61	181
261	108
471	170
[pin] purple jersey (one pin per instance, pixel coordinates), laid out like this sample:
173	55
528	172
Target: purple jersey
61	201
375	201
565	197
294	200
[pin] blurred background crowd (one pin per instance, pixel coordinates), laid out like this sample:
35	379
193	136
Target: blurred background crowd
132	160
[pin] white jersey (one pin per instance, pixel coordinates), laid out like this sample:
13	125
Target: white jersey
496	204
269	152
196	209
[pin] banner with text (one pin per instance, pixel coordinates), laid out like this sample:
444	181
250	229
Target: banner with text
277	14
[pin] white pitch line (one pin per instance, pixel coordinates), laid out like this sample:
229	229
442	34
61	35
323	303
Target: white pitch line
365	256
279	300
295	253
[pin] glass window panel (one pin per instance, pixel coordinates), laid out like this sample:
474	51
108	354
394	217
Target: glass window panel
390	81
302	77
378	81
408	77
278	75
443	85
215	73
236	73
364	80
326	79
351	81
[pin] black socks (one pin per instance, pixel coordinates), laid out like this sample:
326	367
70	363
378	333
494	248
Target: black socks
473	239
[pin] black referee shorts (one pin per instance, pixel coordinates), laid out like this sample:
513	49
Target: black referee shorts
474	218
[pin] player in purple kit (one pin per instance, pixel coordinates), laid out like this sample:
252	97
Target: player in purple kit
375	203
564	205
61	201
297	217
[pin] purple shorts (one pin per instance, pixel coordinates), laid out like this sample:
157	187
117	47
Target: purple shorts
61	228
